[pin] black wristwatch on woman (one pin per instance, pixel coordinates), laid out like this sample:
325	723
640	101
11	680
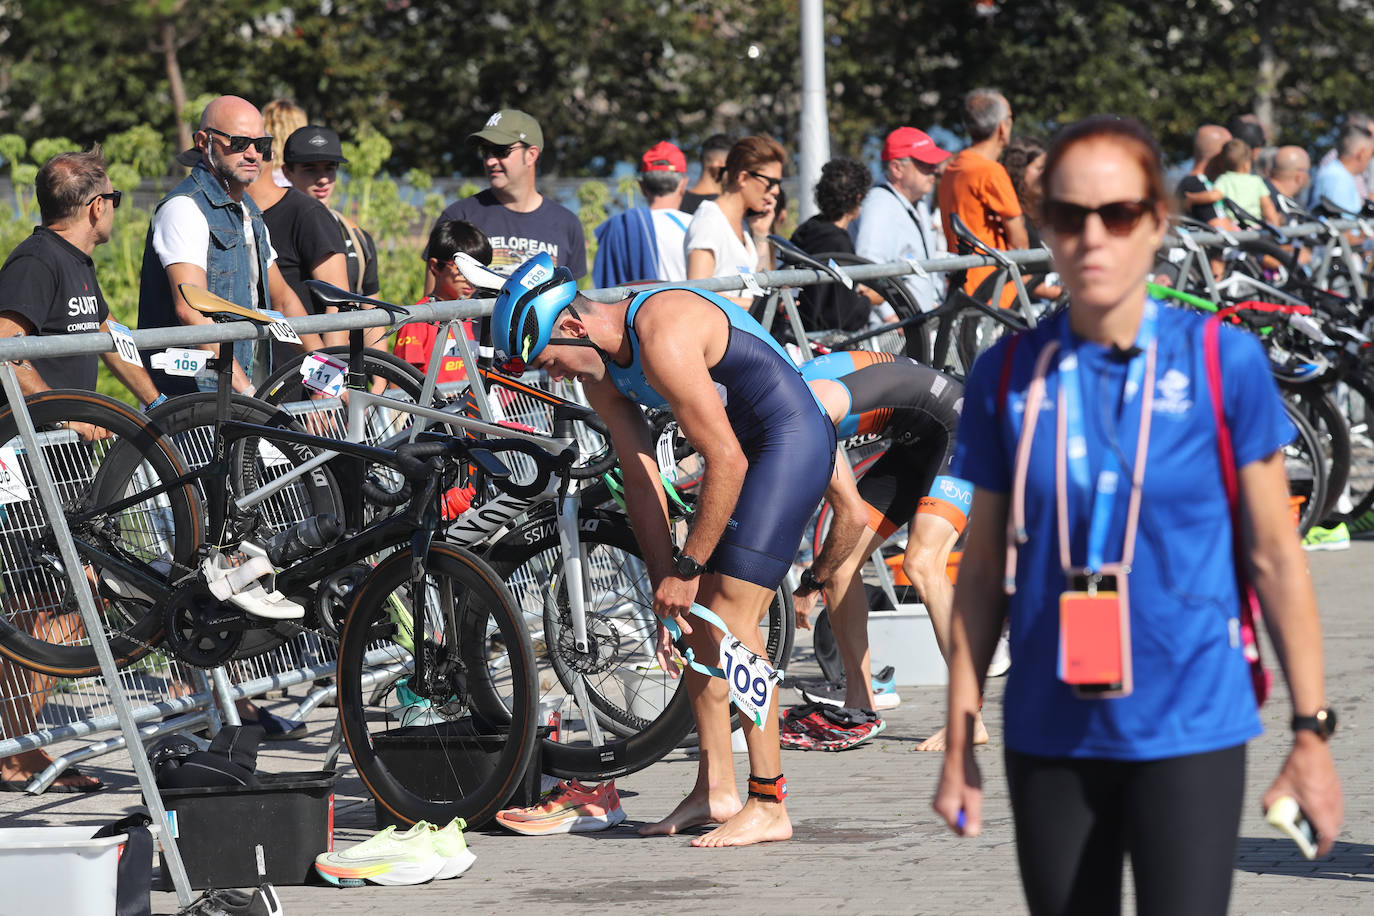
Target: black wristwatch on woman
1322	722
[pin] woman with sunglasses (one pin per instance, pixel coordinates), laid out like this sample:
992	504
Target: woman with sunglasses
1102	529
730	234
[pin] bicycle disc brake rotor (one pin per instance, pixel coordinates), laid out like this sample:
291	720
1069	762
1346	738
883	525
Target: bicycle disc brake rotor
202	631
445	685
603	644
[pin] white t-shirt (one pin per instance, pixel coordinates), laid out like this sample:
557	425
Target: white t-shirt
710	231
670	229
181	235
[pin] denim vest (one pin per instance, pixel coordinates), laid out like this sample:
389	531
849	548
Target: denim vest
228	270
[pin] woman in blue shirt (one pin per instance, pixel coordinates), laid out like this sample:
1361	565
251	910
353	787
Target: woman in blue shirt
1101	530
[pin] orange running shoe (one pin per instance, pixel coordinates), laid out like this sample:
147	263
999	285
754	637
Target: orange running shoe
571	807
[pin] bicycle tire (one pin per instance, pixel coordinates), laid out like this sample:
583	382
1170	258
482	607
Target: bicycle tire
1333	432
1306	470
137	458
457	757
529	559
284	384
827	651
1358	406
189	422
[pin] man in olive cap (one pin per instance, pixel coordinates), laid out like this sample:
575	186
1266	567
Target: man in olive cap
519	221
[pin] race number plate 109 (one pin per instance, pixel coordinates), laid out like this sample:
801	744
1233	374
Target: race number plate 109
751	679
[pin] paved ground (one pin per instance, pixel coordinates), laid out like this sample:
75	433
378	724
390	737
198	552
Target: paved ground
866	840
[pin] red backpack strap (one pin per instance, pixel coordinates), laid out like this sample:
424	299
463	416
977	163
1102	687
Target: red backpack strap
1260	679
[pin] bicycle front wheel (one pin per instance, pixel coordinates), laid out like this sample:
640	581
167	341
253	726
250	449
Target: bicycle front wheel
128	523
457	744
641	712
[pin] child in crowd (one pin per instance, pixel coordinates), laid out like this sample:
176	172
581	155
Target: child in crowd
1248	191
415	341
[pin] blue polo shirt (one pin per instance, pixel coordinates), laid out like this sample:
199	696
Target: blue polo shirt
1192	691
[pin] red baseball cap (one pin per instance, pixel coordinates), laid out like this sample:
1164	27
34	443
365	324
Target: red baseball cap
663	157
909	142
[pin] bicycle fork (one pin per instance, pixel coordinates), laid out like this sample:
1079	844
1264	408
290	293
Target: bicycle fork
567	508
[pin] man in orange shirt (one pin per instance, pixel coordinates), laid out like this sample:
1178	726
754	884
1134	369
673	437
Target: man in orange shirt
977	187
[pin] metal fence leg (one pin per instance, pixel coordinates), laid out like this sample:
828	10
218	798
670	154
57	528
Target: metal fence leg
224	697
90	615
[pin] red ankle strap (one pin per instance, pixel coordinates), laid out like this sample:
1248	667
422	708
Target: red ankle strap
774	789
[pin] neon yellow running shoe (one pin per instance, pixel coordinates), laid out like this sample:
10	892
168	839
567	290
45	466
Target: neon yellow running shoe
452	847
389	858
1336	538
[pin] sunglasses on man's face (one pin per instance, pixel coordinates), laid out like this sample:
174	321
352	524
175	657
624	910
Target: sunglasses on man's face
114	197
486	151
238	144
770	182
1119	217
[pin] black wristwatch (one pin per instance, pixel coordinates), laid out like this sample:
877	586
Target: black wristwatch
687	568
1323	722
809	583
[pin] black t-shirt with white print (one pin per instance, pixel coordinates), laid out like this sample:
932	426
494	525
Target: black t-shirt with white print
51	284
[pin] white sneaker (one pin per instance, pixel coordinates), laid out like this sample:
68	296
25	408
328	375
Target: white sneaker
390	859
452	847
1001	657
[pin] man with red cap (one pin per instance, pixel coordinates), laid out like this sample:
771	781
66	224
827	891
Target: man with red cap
646	243
895	221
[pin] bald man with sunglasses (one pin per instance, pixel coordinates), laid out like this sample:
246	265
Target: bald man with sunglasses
208	233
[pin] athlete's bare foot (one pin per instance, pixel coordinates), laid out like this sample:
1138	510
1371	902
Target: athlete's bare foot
757	822
696	809
23	767
936	742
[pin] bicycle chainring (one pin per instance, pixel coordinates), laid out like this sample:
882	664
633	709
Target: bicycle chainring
201	630
334	595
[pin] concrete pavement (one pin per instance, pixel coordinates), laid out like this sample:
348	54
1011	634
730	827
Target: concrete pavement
865	838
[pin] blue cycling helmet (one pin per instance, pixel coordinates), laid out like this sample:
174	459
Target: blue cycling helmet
533	296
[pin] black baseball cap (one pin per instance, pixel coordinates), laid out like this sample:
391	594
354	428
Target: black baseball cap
312	143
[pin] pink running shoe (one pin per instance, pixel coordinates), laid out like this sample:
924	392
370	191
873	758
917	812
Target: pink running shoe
571	807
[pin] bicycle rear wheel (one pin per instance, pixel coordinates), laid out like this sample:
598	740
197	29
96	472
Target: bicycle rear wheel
642	712
155	535
457	745
1305	465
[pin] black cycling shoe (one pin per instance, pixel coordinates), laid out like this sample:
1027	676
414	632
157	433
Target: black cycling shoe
261	902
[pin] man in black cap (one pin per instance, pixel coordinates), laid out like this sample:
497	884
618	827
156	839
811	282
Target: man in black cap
312	157
519	221
304	234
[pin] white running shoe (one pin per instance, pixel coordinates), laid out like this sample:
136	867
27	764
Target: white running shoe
452	847
390	859
1001	657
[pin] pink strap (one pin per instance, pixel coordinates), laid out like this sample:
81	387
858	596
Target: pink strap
1260	678
1016	518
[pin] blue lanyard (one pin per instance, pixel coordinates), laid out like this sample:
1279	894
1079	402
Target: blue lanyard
1076	442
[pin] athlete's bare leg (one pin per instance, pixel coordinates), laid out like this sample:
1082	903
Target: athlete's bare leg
742	607
714	798
930	538
849	622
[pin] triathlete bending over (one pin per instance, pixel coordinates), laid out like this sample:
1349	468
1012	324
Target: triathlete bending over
769	450
879	394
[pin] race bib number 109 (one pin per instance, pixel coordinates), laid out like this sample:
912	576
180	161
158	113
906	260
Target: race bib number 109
751	679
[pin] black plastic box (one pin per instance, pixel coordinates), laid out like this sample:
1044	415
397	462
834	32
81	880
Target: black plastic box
415	756
285	821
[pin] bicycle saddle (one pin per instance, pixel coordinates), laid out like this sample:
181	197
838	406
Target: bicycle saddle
344	300
219	309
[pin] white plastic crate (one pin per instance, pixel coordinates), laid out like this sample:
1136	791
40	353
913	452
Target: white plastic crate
58	870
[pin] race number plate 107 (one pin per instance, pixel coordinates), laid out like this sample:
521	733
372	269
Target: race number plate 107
124	343
751	679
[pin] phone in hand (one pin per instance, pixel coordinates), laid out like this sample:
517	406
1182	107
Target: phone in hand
1285	815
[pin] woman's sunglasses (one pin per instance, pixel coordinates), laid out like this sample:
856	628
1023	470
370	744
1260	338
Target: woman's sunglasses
1119	217
238	144
772	183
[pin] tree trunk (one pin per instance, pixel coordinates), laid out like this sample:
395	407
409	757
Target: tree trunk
1269	69
167	38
